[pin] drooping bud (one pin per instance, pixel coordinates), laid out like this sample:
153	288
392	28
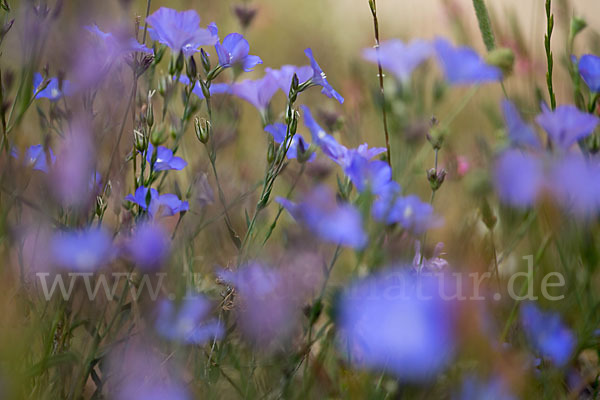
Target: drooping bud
179	63
436	178
577	25
244	14
191	70
205	61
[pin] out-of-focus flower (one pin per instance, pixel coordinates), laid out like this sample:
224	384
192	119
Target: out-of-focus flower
319	78
572	180
462	65
160	205
283	76
473	388
52	91
519	133
589	69
256	92
119	43
567	124
75	165
278	131
143	374
408	211
180	31
235	51
547	333
165	160
35	157
319	211
271	300
148	246
399	58
519	178
188	322
82	251
434	264
397	322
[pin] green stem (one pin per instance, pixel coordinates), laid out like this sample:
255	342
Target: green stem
549	58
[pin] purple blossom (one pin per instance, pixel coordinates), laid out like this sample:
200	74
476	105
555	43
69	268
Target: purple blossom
519	178
279	130
409	211
256	92
547	334
399	58
472	388
326	142
81	251
462	65
519	133
180	31
320	79
572	181
52	91
284	75
398	323
149	246
119	43
234	51
337	223
188	322
566	125
589	69
165	160
160	205
143	374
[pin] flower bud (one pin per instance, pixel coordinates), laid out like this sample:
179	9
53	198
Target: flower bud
140	141
150	114
271	152
436	178
162	86
304	154
205	89
436	137
157	137
487	215
202	128
577	25
179	63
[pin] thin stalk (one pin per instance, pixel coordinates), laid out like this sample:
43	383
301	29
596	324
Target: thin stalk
373	6
549	57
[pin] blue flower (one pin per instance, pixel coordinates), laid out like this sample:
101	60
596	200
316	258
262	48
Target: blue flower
180	31
319	78
283	76
188	322
566	125
368	175
82	251
399	58
589	69
279	130
256	92
519	133
35	156
397	322
462	65
234	51
52	91
326	142
319	211
547	334
473	388
165	159
408	211
160	205
519	178
149	246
